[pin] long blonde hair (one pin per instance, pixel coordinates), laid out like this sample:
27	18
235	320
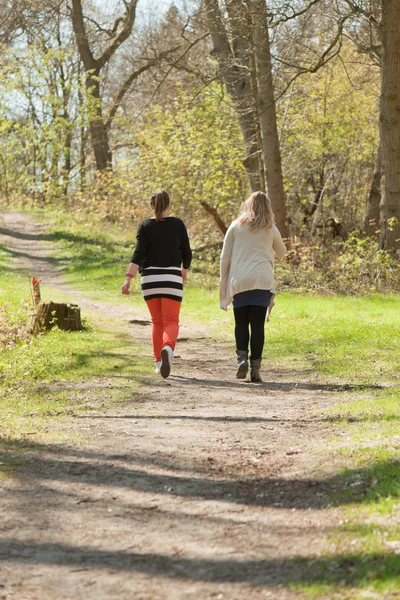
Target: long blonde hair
257	212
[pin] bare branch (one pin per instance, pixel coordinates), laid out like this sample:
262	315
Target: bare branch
109	32
134	75
357	9
217	218
128	22
325	57
176	66
294	14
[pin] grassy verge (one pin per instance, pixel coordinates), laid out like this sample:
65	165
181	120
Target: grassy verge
46	377
365	562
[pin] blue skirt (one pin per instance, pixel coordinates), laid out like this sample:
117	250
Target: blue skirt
252	298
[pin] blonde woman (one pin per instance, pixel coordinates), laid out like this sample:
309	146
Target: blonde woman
163	257
251	245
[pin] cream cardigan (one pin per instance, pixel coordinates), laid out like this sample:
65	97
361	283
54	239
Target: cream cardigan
247	260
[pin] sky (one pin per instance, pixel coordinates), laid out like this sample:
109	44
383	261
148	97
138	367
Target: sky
145	7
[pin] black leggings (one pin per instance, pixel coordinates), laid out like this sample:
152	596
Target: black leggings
253	316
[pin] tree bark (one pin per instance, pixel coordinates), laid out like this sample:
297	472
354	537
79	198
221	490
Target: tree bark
390	126
235	71
267	113
372	209
98	129
50	314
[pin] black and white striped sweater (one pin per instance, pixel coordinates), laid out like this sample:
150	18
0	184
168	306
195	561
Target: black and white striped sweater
162	282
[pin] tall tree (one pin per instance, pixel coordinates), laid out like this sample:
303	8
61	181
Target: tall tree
271	155
372	210
94	66
364	30
235	67
390	125
241	46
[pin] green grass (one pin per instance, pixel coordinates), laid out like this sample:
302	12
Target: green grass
362	554
40	379
14	285
43	378
351	575
356	339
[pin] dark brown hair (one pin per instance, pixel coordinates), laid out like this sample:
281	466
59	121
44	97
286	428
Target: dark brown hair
159	202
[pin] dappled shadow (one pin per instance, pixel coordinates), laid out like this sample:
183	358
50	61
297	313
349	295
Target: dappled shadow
361	485
58	236
216	418
346	569
241	419
287	386
362	418
33	257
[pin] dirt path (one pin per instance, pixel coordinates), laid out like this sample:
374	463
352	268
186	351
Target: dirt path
204	487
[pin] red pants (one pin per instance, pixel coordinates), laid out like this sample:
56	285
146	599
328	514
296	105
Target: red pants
165	319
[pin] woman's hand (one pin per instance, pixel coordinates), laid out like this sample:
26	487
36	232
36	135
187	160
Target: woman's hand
125	288
184	274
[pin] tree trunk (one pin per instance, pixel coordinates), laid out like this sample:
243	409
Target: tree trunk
98	129
50	314
267	113
390	126
67	162
235	72
372	209
82	140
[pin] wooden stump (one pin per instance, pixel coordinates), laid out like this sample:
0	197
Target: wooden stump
50	314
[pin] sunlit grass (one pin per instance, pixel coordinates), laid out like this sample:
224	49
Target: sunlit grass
39	377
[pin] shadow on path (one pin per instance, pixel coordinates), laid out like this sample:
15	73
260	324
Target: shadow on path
347	569
95	468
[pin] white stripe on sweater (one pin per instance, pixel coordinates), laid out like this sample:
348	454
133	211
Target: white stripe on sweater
155	278
169	291
163	268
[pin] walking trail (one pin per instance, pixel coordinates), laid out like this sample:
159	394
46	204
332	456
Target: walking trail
200	487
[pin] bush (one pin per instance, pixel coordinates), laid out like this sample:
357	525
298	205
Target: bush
354	266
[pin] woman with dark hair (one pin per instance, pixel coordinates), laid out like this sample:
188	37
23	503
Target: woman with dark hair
247	278
162	256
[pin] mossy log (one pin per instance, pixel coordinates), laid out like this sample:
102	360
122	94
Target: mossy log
50	314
